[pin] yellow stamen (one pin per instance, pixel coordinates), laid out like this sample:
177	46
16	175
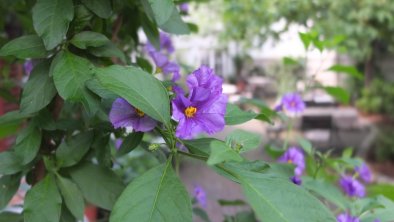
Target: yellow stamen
290	161
139	112
158	70
169	88
190	111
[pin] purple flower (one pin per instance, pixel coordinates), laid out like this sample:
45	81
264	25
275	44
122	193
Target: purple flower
123	114
163	65
294	156
165	45
200	112
278	108
351	186
293	103
177	90
364	172
345	217
28	66
296	180
206	78
200	195
184	7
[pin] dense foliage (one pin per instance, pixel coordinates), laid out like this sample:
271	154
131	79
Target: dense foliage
90	84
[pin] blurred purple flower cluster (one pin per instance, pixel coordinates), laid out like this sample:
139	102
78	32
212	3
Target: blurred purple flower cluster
294	156
200	196
345	217
291	103
351	186
161	57
354	188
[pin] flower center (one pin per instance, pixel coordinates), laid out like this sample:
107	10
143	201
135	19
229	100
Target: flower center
139	112
159	70
290	161
292	104
190	111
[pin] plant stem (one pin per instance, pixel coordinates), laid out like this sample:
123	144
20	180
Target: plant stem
289	128
177	162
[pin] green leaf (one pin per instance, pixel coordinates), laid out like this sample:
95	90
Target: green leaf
234	115
381	189
289	61
245	140
51	19
108	50
279	200
100	186
385	214
71	151
9	184
225	203
72	196
361	206
256	166
306	145
162	10
69	74
13	117
86	39
338	93
220	152
264	117
28	143
306	39
9	129
43	202
130	143
157	195
150	30
38	91
192	27
101	8
10	217
95	86
175	24
9	163
199	146
139	88
66	215
102	150
201	213
244	216
349	70
327	191
28	46
144	64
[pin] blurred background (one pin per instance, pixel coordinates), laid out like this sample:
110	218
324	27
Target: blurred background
338	54
264	49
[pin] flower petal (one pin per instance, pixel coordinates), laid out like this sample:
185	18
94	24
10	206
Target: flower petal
122	113
144	124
